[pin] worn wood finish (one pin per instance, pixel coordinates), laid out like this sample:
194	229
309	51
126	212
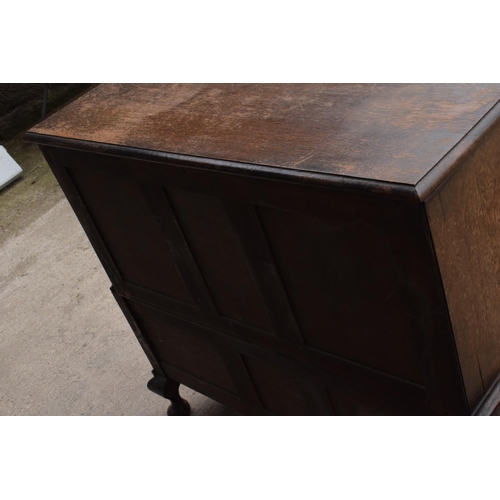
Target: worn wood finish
284	249
464	216
370	131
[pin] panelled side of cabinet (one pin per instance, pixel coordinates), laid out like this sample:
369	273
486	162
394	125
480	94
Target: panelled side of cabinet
464	217
269	296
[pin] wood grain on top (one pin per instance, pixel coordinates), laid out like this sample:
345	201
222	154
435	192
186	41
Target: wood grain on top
387	132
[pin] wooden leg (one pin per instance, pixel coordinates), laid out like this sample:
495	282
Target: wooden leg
169	389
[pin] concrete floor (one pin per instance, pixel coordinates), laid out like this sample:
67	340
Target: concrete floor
65	347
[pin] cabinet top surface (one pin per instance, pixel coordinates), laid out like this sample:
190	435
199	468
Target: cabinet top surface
386	132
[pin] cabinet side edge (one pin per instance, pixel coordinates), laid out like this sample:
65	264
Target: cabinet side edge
430	182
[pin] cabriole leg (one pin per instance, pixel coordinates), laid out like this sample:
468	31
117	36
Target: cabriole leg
169	389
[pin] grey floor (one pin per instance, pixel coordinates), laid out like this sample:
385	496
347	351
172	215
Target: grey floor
65	348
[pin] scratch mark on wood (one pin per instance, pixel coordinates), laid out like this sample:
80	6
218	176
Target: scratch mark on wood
302	160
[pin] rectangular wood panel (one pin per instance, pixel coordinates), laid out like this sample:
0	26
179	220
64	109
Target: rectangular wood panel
348	398
181	349
281	392
217	250
464	216
345	305
126	224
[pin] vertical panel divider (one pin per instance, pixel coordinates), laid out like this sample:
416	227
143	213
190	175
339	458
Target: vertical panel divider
162	211
241	377
248	228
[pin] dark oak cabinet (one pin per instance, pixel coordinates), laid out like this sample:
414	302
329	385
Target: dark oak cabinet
296	249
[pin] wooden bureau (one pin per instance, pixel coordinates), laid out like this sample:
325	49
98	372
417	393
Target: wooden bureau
296	249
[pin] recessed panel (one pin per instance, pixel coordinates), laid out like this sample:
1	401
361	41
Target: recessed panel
280	391
219	255
341	281
348	398
184	350
128	229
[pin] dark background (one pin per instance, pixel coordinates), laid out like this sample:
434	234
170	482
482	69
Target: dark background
21	104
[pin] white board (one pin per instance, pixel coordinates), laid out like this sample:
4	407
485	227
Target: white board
9	169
